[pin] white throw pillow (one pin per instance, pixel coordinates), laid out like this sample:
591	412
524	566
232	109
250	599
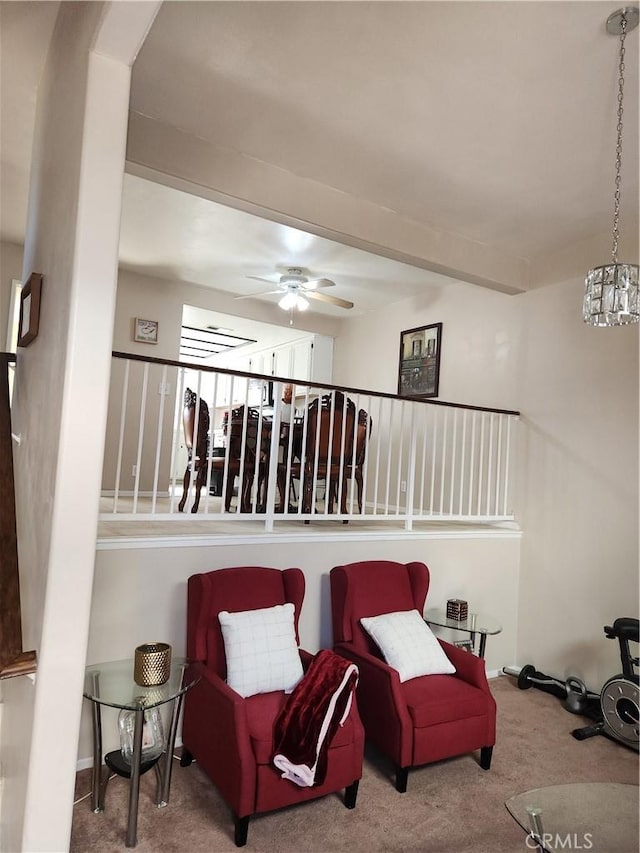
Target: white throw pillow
408	644
261	649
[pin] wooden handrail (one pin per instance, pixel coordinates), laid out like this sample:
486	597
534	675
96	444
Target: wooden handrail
13	661
286	380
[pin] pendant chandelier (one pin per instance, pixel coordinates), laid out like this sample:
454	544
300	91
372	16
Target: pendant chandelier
611	291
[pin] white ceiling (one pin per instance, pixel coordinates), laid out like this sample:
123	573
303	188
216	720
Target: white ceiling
489	120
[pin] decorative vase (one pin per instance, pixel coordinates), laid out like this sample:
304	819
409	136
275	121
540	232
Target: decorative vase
152	734
152	664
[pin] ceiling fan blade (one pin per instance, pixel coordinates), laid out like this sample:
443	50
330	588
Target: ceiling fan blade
325	297
273	279
312	283
260	293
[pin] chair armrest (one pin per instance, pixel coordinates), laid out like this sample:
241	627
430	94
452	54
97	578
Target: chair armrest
381	704
468	667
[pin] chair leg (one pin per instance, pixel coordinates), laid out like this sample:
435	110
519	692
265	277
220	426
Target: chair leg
185	487
241	830
402	775
485	757
186	758
358	475
200	481
351	794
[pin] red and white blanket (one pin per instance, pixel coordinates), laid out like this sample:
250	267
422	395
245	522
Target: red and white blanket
307	723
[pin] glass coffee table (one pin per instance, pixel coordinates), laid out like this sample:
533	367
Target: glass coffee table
598	816
476	625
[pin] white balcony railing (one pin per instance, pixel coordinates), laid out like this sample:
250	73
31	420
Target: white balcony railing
337	453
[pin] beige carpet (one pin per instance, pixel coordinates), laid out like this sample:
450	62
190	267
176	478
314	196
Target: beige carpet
449	807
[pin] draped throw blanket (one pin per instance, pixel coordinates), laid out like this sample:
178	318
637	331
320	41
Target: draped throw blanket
307	723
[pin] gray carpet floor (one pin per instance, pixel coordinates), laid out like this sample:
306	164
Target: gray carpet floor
450	807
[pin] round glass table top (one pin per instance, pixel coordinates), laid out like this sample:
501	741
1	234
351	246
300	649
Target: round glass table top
477	623
598	816
112	684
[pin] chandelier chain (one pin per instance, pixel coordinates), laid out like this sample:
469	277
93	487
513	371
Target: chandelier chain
616	206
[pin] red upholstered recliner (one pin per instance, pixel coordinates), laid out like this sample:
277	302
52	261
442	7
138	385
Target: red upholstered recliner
231	737
423	719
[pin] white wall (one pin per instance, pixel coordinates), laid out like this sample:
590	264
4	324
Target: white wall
579	400
480	344
10	268
60	397
140	594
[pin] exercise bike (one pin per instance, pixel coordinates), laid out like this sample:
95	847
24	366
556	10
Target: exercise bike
616	709
619	698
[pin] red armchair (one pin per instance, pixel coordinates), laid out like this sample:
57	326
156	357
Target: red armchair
231	737
423	719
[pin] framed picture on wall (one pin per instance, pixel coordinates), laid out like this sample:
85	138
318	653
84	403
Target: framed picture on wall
419	363
29	322
145	331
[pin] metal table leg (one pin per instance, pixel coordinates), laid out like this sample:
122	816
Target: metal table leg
134	785
97	789
167	767
535	822
483	645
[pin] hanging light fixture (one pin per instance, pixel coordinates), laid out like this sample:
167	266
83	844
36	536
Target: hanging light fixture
292	300
611	291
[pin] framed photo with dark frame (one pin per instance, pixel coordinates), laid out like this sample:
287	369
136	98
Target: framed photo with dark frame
29	309
419	368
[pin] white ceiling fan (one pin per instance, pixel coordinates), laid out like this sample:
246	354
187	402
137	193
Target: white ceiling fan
296	289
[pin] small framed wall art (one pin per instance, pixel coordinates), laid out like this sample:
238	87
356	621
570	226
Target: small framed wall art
419	368
145	331
29	309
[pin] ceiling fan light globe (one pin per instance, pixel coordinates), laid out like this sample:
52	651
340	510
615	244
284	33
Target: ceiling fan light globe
301	303
288	301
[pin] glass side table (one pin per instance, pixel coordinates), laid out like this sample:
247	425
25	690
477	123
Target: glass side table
597	816
476	624
112	684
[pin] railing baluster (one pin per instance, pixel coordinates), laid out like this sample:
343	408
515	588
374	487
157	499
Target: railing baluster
388	487
273	461
498	466
225	472
143	409
472	460
436	418
481	462
365	463
444	460
192	496
177	429
399	471
462	460
156	471
411	470
506	467
212	427
423	467
377	464
489	464
123	417
454	453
